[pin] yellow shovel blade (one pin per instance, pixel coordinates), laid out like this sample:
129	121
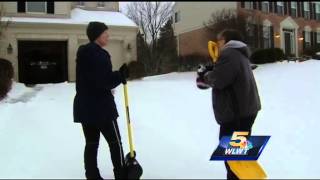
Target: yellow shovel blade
213	50
247	169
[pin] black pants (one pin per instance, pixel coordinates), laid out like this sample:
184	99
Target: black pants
110	131
242	124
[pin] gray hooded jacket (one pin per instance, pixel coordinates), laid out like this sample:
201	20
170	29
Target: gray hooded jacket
235	94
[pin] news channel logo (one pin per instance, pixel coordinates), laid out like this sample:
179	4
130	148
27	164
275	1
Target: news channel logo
240	146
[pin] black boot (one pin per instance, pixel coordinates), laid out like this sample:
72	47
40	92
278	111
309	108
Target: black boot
120	173
93	174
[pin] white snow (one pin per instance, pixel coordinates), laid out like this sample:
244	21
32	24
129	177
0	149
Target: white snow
175	131
79	16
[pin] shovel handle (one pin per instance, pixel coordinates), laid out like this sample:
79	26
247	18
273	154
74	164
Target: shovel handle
125	90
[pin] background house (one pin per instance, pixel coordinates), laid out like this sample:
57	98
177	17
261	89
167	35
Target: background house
292	26
43	37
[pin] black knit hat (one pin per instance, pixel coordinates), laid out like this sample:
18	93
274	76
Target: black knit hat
95	29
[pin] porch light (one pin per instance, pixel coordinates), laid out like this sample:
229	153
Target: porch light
9	49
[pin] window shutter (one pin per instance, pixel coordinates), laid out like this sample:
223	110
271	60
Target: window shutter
315	39
256	36
285	4
21	6
289	8
302	9
259	5
311	37
272	36
242	4
304	39
254	5
275	7
314	11
50	7
299	9
261	35
271	6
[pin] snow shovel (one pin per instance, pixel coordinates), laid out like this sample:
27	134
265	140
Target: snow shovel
242	169
134	169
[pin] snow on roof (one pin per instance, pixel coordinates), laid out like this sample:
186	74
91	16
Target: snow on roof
80	16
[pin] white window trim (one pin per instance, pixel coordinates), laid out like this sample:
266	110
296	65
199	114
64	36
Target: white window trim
309	36
266	28
280	3
32	12
250	5
306	11
304	6
266	2
317	8
293	7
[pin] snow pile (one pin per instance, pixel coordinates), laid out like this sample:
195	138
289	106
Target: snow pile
175	131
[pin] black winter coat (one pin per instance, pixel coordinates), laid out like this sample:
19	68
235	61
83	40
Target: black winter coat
95	79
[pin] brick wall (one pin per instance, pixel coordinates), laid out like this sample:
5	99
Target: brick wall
195	41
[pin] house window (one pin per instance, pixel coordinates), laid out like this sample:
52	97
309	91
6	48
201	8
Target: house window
318	11
294	9
101	4
308	38
265	6
266	37
280	8
80	3
248	5
36	7
306	10
318	37
177	17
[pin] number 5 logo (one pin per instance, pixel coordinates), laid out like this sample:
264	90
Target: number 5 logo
238	139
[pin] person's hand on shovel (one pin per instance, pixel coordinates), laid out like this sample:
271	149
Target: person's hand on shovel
124	71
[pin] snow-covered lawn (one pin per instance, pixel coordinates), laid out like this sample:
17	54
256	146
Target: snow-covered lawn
175	131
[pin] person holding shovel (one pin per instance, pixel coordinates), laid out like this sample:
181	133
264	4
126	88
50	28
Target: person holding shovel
236	100
94	105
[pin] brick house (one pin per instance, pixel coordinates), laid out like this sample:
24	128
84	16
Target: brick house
292	26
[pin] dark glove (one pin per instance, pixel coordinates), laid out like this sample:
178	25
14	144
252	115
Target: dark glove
201	83
124	71
202	69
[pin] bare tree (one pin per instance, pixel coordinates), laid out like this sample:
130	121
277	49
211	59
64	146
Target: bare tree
248	24
150	17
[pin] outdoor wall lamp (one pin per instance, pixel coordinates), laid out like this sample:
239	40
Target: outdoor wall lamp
301	38
277	36
9	49
129	47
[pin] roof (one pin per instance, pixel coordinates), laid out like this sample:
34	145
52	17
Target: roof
80	16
